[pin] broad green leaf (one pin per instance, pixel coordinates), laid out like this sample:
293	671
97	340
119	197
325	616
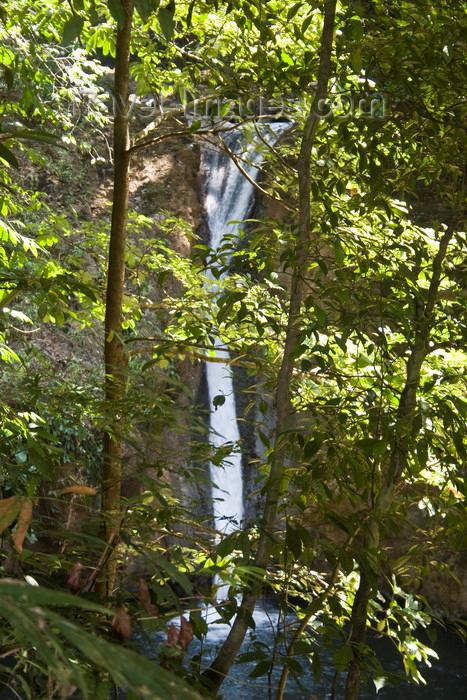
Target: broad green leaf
307	22
293	10
27	608
293	541
179	576
226	547
356	60
343	657
9	77
287	58
261	669
165	17
117	11
316	665
218	400
380	682
72	29
143	7
190	13
372	447
293	665
8	156
39	136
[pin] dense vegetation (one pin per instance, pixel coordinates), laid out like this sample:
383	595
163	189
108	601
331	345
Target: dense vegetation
346	316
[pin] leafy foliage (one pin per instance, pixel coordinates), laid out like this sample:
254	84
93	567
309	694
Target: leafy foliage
374	444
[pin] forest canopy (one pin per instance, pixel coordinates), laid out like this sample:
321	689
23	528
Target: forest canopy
340	305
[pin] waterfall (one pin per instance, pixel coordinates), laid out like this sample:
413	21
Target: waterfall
229	198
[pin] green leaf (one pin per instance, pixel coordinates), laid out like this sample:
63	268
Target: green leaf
356	60
8	156
321	316
179	576
39	136
36	595
286	58
293	541
194	126
117	11
72	29
165	17
303	648
9	77
27	609
218	400
143	7
293	665
126	667
293	10
224	312
199	624
372	447
307	22
316	665
261	669
343	657
226	547
380	682
190	14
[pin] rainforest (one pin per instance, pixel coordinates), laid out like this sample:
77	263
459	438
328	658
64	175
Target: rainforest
233	344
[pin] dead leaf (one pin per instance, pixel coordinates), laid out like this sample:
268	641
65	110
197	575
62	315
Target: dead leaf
180	637
121	623
83	490
9	509
22	526
144	596
172	635
74	581
185	636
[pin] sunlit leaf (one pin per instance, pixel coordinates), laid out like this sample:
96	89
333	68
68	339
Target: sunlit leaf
9	509
22	526
8	156
83	490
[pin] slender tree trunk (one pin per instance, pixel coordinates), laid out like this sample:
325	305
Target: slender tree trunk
423	323
115	357
221	665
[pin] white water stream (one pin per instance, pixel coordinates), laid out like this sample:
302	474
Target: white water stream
229	198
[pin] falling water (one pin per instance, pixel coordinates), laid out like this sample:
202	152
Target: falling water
229	198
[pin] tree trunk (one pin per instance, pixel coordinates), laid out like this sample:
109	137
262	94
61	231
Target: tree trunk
215	674
115	357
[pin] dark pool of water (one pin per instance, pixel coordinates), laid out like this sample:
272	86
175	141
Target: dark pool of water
445	680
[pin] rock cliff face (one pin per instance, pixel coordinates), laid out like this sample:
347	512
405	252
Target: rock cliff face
166	181
164	177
